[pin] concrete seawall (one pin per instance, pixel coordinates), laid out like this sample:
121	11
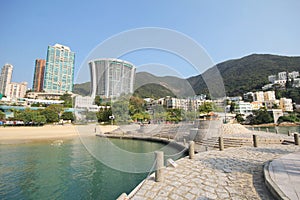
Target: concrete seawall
172	143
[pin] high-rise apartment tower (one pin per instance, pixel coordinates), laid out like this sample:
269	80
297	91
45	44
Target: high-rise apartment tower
38	79
5	78
111	77
59	71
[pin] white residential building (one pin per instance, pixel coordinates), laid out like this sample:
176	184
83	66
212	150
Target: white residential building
272	78
296	82
269	96
16	90
258	96
293	75
282	75
286	104
244	108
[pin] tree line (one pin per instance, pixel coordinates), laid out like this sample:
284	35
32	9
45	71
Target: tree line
50	114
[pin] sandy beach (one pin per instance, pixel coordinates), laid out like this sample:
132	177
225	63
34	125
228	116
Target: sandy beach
49	132
37	133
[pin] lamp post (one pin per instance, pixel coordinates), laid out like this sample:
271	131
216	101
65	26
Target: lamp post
112	117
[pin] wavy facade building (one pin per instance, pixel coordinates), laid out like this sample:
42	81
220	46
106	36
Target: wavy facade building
111	77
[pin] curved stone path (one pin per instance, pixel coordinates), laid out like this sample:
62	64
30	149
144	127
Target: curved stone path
235	173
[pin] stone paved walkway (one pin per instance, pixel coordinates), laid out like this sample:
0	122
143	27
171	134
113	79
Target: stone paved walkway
235	173
285	174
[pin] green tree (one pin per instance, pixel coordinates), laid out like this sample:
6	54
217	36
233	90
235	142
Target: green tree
103	115
51	115
136	105
206	107
67	98
174	115
39	119
239	118
290	118
141	116
262	116
232	105
67	116
2	115
98	100
120	110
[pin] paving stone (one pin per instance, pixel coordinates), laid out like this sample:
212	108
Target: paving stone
235	173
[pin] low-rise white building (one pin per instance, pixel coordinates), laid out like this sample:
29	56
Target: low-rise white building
258	96
269	96
286	104
244	108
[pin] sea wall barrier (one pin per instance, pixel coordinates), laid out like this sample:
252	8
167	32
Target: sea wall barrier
172	143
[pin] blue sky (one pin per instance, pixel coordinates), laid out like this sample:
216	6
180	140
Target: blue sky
225	29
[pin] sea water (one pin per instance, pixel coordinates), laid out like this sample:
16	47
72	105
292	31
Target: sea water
69	170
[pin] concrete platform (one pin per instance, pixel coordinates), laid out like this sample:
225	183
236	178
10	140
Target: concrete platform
282	176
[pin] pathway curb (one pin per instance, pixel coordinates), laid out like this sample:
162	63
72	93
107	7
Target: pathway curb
271	185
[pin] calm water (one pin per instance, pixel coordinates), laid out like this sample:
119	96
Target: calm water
281	129
69	171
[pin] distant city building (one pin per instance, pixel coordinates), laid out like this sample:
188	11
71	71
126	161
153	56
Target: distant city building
267	87
296	82
245	108
59	71
256	105
111	77
39	71
272	104
258	96
5	78
45	95
272	78
237	98
16	90
293	75
86	103
269	96
286	104
42	101
249	96
282	76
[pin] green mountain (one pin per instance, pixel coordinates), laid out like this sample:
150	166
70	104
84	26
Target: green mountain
148	85
179	87
82	88
153	90
241	75
248	73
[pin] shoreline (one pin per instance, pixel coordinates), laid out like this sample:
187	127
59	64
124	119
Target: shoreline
25	134
285	124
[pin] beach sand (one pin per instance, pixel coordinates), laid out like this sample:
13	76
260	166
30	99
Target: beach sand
37	133
49	132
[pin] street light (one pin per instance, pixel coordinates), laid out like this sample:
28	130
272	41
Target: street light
112	117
